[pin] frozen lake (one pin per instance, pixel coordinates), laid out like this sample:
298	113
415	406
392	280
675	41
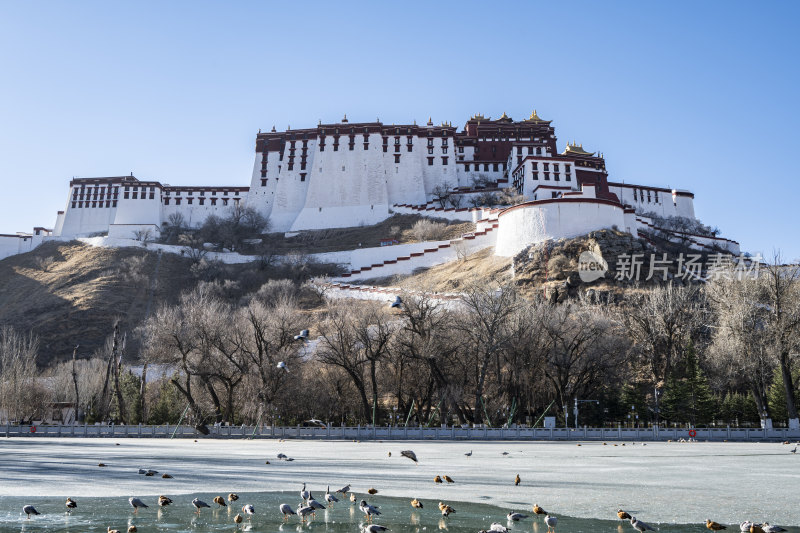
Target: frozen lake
665	483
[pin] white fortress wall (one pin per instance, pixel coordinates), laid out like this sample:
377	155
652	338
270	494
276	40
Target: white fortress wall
535	222
656	199
263	186
79	221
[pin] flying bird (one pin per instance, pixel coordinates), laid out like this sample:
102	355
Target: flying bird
411	455
283	366
516	517
517	480
71	504
368	510
640	526
286	510
303	336
249	510
550	522
448	479
397	302
219	500
163	501
623	515
374	528
330	498
714	526
29	510
136	503
199	504
538	510
416	504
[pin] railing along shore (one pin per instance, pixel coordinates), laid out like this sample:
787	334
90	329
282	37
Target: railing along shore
403	433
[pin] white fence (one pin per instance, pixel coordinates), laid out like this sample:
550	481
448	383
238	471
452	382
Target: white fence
403	433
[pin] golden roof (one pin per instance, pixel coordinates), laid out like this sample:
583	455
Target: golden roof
535	118
574	148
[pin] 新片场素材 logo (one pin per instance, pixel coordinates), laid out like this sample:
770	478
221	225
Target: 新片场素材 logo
591	266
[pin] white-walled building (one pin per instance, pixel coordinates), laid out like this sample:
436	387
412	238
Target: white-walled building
348	174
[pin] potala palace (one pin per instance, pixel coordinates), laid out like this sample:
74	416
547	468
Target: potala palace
349	174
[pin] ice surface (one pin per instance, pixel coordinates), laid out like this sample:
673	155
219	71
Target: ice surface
678	483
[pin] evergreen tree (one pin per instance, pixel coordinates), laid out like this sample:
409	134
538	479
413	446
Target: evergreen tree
687	395
776	395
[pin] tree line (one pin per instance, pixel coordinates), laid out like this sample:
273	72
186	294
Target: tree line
720	353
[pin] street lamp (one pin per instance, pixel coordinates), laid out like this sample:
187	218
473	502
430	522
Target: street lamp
575	409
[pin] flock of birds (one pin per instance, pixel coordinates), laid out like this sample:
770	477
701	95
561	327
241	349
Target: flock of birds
309	506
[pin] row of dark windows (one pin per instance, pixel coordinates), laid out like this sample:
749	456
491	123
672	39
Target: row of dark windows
79	204
495	167
200	201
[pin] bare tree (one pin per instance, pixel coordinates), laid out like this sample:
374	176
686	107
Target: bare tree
442	193
18	373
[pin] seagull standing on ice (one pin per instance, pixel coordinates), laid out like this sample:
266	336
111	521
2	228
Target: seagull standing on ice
199	504
469	453
304	493
249	510
368	510
330	498
551	522
640	526
71	504
136	503
286	510
344	490
29	510
304	510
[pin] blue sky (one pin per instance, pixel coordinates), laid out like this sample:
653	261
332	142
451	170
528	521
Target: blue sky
692	95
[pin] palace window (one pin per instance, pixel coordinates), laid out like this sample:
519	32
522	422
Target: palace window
126	195
444	149
396	158
397	140
430	149
263	182
547	166
177	201
486	167
430	142
213	201
547	176
224	201
444	160
202	201
135	195
73	205
114	203
494	167
460	149
538	150
519	159
302	177
466	167
430	161
189	201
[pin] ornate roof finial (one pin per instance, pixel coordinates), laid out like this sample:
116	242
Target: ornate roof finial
288	127
259	130
319	123
430	121
344	119
273	128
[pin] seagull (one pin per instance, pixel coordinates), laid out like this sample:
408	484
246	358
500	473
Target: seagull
517	480
303	335
551	522
199	504
283	366
714	526
497	527
282	456
232	497
640	526
136	503
219	500
374	528
71	504
29	510
411	455
516	517
304	493
163	501
416	504
744	527
397	302
538	510
286	510
344	490
794	450
304	510
623	515
249	510
448	479
314	504
469	453
330	498
368	510
772	529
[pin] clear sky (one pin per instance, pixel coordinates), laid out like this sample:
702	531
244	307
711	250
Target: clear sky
691	95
